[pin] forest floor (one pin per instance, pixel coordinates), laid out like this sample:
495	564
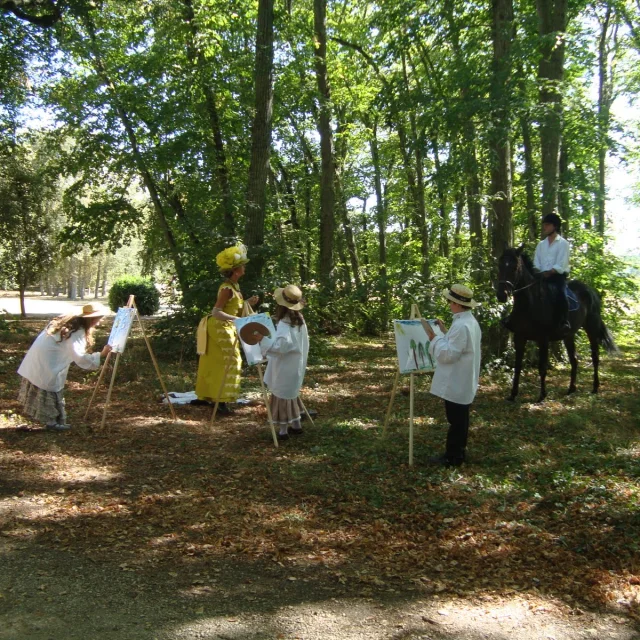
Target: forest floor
151	529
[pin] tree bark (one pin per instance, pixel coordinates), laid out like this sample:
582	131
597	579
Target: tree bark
327	172
605	99
529	180
503	33
552	25
256	204
381	221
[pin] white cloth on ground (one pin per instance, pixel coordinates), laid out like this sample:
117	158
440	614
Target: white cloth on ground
287	360
457	354
47	362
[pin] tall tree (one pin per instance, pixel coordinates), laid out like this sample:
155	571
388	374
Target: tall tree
260	135
552	27
503	33
327	190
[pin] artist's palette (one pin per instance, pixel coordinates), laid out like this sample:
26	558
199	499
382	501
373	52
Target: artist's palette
252	331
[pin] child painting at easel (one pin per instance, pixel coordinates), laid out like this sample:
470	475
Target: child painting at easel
287	361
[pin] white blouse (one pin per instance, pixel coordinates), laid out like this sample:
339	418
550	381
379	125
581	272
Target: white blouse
287	360
457	354
47	362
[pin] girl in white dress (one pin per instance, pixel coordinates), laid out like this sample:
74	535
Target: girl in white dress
287	361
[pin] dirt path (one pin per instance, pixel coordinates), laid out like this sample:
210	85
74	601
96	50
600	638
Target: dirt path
50	594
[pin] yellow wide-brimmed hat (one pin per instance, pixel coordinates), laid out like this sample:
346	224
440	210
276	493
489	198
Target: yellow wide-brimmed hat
232	257
460	294
290	297
92	311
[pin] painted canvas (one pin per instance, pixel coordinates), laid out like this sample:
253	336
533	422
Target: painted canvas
412	346
252	351
120	329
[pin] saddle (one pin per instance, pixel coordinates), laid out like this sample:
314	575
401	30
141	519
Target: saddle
572	299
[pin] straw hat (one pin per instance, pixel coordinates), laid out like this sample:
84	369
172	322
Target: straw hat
461	295
290	297
92	311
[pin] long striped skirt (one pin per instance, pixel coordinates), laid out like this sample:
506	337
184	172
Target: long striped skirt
43	406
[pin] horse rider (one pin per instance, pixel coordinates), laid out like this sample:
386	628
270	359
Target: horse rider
551	260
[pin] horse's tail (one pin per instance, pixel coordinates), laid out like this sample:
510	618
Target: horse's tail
591	300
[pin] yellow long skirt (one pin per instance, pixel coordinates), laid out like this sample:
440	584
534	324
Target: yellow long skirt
221	352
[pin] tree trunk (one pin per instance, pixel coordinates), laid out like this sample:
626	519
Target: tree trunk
442	198
143	169
104	275
21	288
256	203
503	33
327	193
605	99
381	221
217	150
529	180
552	25
97	288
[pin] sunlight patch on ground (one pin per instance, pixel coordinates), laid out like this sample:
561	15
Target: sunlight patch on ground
362	619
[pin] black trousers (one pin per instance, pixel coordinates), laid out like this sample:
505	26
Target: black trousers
458	418
557	284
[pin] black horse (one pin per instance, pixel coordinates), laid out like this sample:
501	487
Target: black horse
533	313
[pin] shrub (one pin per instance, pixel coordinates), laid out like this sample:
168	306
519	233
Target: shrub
145	292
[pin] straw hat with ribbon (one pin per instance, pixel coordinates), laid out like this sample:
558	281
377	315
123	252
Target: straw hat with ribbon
461	295
91	311
290	297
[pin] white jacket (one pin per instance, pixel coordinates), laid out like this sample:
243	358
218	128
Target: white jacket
458	356
47	362
287	360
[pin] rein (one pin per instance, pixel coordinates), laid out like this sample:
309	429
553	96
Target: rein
514	291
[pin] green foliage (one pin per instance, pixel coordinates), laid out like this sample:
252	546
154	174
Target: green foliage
147	297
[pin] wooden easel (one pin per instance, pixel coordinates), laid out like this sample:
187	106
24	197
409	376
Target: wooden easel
415	314
131	303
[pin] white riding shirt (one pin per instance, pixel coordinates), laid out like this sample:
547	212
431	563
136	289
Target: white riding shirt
552	256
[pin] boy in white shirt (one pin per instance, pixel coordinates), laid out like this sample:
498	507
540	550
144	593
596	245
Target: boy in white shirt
455	380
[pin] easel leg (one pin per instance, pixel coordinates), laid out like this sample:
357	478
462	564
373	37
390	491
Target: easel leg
305	411
411	396
393	395
113	378
224	381
93	395
155	364
267	405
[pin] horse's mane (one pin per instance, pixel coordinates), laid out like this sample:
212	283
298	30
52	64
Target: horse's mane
528	263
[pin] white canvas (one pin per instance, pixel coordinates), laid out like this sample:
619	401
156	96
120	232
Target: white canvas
252	353
412	346
120	329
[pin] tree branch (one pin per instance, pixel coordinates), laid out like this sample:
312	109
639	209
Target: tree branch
44	21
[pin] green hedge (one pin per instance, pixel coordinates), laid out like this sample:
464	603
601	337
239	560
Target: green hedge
147	296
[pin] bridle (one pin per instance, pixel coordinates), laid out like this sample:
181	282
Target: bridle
512	290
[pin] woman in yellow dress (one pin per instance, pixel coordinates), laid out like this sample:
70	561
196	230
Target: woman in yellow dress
223	350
